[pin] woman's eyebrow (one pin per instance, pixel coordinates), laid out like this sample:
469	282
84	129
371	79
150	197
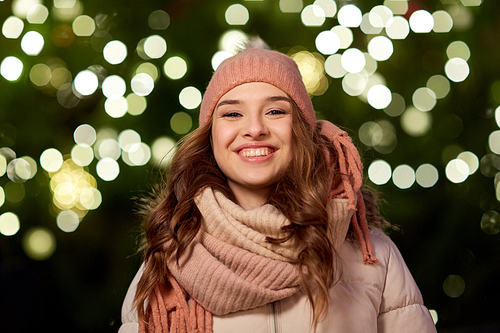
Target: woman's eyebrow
228	102
278	98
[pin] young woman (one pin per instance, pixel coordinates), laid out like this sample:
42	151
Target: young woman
263	224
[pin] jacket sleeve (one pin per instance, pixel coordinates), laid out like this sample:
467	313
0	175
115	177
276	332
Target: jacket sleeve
130	320
402	308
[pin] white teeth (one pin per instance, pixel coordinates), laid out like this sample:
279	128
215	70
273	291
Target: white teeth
256	152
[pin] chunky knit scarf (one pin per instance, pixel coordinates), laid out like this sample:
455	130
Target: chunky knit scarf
230	266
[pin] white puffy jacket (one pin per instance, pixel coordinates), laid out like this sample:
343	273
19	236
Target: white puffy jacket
369	298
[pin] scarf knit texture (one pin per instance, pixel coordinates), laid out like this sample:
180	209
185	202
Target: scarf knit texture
229	266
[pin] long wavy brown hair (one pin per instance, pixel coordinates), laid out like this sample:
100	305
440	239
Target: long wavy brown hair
301	194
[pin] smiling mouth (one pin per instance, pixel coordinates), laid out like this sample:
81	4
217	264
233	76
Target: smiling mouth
256	152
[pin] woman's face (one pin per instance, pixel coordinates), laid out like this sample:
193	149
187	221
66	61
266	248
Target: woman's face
252	136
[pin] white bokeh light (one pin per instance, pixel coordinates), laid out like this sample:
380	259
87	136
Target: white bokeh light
379	172
379	96
349	16
155	47
108	169
380	48
403	176
397	28
86	82
115	52
190	98
313	16
237	15
427	175
421	21
32	43
327	42
379	16
114	87
457	69
51	160
12	27
142	84
11	68
353	60
457	171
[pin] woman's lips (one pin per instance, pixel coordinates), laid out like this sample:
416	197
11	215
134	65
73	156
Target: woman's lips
255	151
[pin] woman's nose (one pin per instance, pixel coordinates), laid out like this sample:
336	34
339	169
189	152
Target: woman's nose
255	127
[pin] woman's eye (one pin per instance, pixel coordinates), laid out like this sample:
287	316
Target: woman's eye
231	115
276	112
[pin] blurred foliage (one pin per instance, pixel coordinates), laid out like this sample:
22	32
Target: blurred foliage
81	287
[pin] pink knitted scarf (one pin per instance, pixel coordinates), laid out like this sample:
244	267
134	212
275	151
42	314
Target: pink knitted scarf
230	266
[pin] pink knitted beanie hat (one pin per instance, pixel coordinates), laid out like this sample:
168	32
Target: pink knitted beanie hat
278	69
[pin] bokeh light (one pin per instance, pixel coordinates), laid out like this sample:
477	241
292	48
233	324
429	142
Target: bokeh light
181	123
155	47
443	23
142	84
424	99
471	160
163	149
39	243
11	68
415	122
397	28
367	28
37	14
403	176
175	68
353	60
219	57
494	142
159	20
379	96
328	6
232	40
427	175
9	224
421	21
457	171
345	36
490	222
85	135
127	139
439	85
397	105
312	70
379	16
115	52
290	6
68	220
457	69
86	82
136	104
327	42
113	87
83	25
349	16
313	16
333	66
20	8
107	169
107	148
454	286
379	172
458	49
380	48
51	160
12	27
190	98
237	14
82	156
